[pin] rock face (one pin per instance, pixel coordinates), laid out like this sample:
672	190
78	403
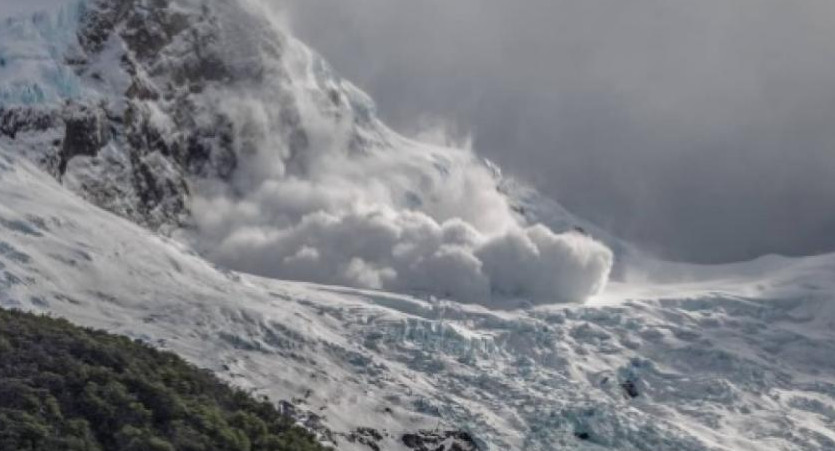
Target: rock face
440	441
202	116
148	122
21	119
143	115
86	131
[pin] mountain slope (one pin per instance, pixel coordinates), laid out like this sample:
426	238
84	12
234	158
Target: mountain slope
207	123
723	366
67	388
205	117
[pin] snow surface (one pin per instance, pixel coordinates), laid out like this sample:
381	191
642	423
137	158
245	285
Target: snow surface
732	358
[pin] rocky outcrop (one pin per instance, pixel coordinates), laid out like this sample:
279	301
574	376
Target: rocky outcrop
14	120
134	150
377	440
85	132
159	103
440	441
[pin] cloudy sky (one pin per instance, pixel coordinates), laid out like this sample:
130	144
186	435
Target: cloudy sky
703	130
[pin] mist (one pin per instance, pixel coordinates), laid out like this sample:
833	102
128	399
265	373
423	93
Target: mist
700	130
322	191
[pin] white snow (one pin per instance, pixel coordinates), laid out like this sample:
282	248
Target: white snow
336	197
388	213
732	358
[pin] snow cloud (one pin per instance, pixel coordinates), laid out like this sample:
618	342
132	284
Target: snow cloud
699	129
381	248
324	192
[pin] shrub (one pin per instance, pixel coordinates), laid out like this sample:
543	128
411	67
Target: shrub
63	387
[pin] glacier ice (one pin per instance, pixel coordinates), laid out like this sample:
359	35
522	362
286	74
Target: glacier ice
717	365
731	357
33	52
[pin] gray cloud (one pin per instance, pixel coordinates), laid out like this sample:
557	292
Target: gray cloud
702	130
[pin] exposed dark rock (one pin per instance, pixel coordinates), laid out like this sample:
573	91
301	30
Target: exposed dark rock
20	119
141	89
630	388
146	41
369	437
311	421
85	133
582	435
162	146
440	441
165	129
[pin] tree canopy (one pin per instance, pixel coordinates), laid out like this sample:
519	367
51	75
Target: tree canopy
64	387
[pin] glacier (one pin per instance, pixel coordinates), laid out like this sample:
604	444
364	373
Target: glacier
32	54
734	358
296	169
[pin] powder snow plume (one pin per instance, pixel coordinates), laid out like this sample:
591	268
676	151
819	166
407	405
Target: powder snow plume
289	172
358	205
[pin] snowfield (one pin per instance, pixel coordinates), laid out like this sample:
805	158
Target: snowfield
146	150
731	358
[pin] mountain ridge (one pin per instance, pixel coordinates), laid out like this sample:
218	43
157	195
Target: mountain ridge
670	356
182	109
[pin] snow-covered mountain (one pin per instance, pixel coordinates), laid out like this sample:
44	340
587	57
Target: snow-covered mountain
148	149
205	114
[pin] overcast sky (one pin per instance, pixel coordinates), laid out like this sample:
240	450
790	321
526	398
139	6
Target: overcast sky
704	130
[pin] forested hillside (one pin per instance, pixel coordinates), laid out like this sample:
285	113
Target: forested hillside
67	388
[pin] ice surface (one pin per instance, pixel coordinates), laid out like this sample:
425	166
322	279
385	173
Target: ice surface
735	359
33	49
670	357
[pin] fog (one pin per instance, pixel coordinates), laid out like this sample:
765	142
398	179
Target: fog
324	192
395	214
700	130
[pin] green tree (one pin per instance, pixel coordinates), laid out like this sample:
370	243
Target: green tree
63	387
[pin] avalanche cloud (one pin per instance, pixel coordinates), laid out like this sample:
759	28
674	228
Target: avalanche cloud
362	206
344	224
409	251
292	175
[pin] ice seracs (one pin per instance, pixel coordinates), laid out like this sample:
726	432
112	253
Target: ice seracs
740	360
206	122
